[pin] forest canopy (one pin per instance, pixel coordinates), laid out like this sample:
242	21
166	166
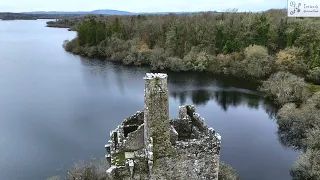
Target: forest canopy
222	43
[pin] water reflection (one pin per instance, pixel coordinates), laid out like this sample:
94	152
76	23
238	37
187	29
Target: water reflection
291	138
226	99
200	88
270	109
287	139
200	97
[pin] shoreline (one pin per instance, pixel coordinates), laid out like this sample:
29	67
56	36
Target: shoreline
278	80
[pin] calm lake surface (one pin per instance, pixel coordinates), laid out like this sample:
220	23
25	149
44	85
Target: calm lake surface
56	108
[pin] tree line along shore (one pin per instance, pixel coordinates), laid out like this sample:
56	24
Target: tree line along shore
26	16
280	52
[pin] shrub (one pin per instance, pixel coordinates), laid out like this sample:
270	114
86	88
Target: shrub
256	52
307	166
285	87
92	51
219	64
129	59
69	46
78	50
236	56
216	64
238	68
292	124
54	178
258	63
92	170
291	59
190	59
144	57
116	46
201	62
314	75
228	64
314	101
102	48
299	127
118	56
133	57
313	136
237	65
157	58
226	172
143	46
175	64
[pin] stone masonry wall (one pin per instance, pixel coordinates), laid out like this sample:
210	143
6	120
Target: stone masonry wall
156	113
134	141
136	119
149	146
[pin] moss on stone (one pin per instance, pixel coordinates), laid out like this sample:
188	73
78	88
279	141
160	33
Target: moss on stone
174	153
156	81
119	159
156	101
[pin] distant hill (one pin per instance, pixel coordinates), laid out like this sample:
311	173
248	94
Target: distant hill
103	12
110	12
95	12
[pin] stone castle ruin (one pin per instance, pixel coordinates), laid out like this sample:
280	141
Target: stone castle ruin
148	145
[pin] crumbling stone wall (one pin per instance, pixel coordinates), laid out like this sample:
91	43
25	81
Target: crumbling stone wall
189	112
147	146
128	137
194	160
156	114
183	127
134	141
136	119
190	124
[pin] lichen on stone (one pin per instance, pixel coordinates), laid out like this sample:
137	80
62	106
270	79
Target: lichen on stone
155	147
119	159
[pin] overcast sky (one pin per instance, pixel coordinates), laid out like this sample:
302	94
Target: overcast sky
139	5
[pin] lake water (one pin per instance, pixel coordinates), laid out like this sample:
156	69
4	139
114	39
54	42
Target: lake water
56	108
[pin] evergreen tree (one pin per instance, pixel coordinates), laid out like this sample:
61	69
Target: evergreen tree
101	32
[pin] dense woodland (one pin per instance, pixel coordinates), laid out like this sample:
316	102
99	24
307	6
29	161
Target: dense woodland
69	22
241	44
269	46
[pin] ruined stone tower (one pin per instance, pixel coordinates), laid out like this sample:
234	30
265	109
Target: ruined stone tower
183	148
156	114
